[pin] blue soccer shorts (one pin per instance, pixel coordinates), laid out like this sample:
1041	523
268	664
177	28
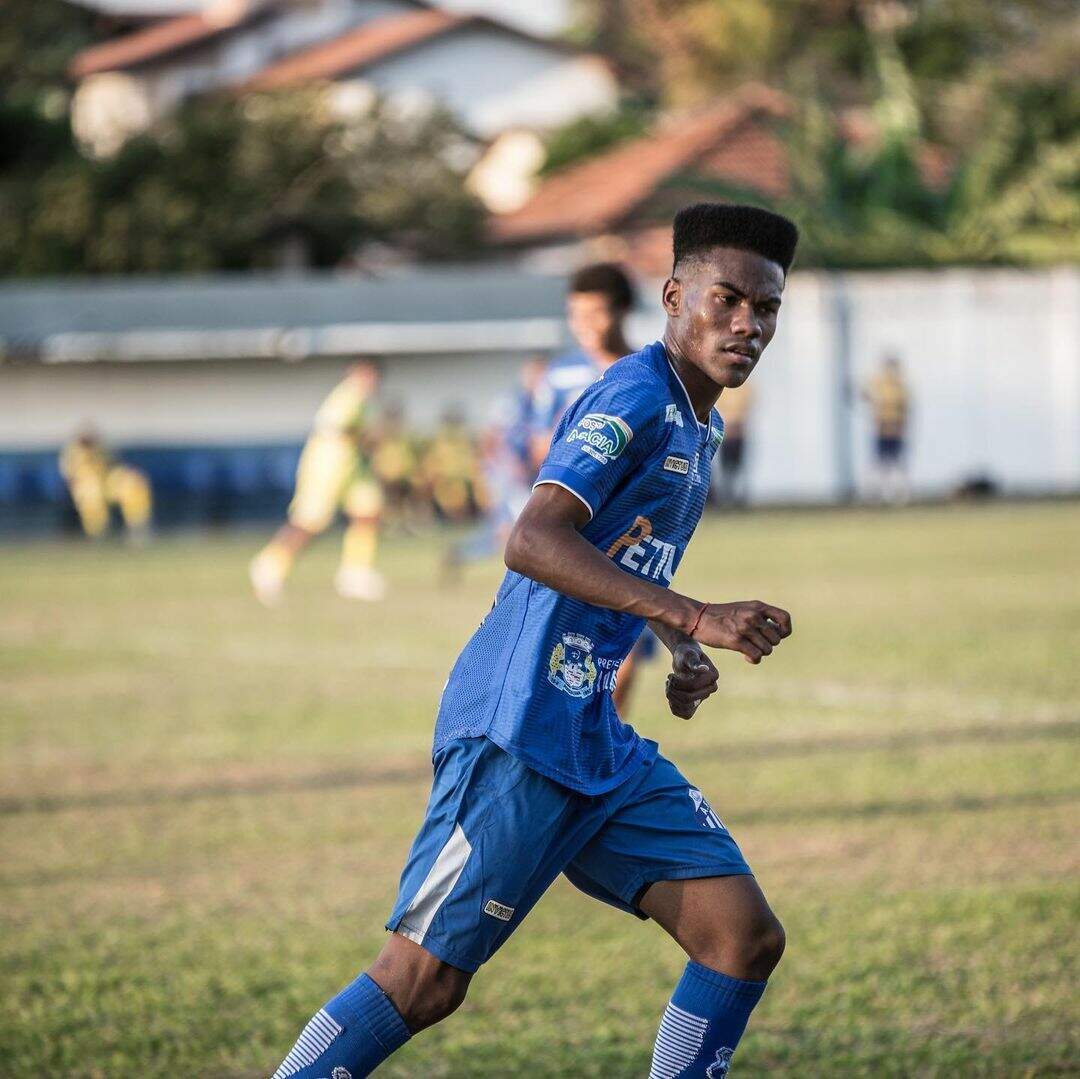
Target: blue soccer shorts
497	834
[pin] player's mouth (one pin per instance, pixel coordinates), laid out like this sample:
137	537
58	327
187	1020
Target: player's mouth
740	355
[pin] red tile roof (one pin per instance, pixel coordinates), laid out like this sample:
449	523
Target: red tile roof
356	48
161	38
601	192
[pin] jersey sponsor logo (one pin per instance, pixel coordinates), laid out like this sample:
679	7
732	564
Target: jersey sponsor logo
571	667
341	1073
498	910
706	817
677	464
602	437
643	553
719	1067
673	415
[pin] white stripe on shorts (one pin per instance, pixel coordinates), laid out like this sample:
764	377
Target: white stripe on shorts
438	884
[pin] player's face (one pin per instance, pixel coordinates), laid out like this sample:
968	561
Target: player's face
722	311
591	319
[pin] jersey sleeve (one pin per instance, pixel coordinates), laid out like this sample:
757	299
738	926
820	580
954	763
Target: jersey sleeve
609	431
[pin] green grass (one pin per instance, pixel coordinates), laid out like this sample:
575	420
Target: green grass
205	806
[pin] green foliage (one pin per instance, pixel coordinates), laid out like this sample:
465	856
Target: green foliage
227	184
589	135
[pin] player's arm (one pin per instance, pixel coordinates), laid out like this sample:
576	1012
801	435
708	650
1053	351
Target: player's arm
546	544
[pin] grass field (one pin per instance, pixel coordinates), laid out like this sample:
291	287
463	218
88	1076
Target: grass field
205	806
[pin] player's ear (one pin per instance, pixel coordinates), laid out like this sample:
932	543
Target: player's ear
671	296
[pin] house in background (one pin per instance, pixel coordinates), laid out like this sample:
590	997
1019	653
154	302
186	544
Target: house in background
619	204
492	75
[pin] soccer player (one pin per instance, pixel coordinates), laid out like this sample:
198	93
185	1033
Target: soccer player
535	774
333	473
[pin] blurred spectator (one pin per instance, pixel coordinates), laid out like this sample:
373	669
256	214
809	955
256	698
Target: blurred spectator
97	482
735	406
449	469
395	461
334	474
887	395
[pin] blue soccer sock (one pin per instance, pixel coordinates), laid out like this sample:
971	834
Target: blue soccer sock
702	1025
350	1036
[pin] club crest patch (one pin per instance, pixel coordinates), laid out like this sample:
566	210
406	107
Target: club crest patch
677	464
571	667
716	434
673	415
602	437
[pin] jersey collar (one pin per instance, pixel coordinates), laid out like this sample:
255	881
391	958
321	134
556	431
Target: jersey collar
704	429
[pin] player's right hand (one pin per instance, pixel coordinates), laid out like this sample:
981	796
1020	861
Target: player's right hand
750	627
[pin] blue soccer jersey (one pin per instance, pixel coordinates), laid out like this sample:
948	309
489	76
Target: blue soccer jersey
536	677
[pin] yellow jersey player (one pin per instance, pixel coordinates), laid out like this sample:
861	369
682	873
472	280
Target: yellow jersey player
887	394
97	482
334	474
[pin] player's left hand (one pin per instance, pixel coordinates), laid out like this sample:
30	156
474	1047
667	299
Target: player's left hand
693	678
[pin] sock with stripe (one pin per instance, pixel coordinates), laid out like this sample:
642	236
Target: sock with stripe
349	1037
702	1025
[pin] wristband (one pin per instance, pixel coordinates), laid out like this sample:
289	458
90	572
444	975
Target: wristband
697	621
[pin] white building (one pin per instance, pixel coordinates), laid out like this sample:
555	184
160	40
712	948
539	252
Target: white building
492	75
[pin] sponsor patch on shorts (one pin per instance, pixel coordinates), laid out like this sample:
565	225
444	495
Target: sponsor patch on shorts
677	464
498	910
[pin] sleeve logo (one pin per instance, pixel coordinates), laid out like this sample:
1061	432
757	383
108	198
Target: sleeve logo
602	437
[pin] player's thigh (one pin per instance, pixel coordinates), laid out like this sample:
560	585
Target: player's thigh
662	829
325	466
495	835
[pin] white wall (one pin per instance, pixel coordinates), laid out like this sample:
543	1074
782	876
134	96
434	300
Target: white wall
992	357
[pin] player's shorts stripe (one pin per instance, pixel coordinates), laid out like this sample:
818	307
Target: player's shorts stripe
438	884
314	1040
678	1043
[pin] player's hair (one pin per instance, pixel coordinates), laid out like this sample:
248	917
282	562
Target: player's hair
717	224
610	280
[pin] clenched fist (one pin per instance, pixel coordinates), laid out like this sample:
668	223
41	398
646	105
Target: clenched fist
692	679
750	627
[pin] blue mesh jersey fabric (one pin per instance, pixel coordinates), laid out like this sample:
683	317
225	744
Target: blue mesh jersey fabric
536	677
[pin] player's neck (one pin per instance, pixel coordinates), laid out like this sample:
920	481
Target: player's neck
702	391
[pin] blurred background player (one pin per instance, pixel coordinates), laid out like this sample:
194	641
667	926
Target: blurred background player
449	469
598	300
887	394
734	406
334	474
97	483
506	471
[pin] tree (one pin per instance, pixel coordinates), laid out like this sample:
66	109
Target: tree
227	183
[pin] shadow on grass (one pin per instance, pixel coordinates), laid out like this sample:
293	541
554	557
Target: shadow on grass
341	778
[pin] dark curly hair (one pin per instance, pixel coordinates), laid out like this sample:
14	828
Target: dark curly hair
717	224
610	280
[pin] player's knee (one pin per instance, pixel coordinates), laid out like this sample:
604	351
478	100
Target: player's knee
752	951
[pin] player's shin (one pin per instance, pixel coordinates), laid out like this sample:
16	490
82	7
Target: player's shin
702	1024
348	1037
